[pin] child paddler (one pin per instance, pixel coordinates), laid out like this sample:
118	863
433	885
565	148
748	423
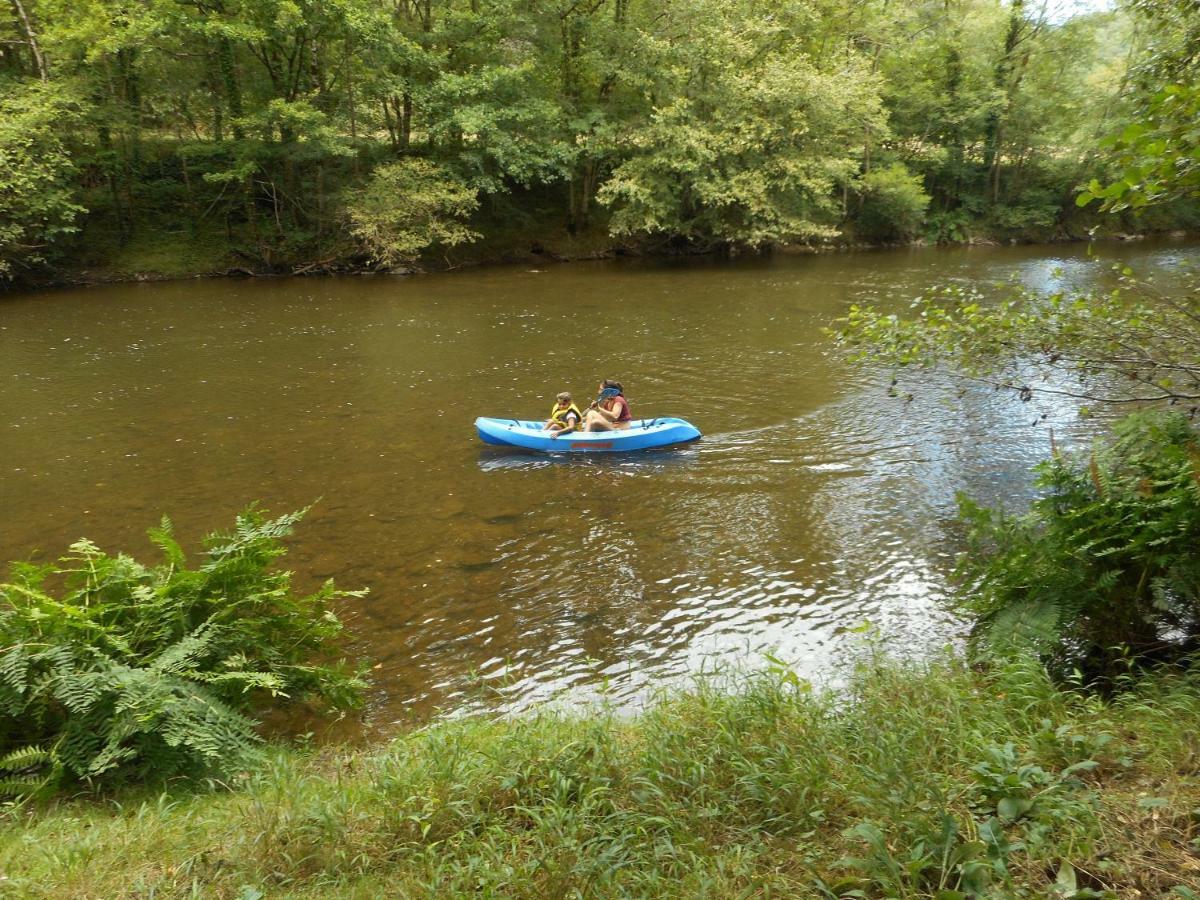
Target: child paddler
565	416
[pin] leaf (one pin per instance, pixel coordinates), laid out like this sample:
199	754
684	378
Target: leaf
1009	809
1066	882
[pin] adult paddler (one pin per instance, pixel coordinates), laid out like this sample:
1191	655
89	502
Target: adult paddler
610	410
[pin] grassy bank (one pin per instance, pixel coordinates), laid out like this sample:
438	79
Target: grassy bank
925	781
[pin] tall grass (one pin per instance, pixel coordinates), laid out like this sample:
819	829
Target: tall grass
926	780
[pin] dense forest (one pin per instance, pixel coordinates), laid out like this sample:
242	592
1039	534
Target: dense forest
304	135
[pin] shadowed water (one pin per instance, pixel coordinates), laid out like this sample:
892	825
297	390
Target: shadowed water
813	503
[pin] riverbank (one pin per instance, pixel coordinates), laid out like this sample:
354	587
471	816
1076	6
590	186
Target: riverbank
170	252
924	780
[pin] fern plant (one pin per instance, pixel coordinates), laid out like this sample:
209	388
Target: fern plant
1104	568
148	671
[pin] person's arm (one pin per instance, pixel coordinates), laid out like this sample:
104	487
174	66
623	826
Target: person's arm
572	425
610	416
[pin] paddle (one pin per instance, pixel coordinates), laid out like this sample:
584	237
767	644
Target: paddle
607	394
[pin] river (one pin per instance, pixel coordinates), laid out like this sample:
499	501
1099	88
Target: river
814	503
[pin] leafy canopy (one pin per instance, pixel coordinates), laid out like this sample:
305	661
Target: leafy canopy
748	136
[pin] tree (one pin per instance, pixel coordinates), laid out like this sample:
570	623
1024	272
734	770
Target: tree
1158	155
747	136
38	202
893	203
1135	345
696	123
1158	152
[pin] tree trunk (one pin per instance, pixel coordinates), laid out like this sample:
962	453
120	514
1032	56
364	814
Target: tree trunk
233	91
1003	80
391	127
406	114
26	26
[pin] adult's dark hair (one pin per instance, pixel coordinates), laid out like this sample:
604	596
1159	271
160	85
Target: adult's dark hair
609	383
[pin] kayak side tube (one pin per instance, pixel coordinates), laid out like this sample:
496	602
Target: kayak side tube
643	434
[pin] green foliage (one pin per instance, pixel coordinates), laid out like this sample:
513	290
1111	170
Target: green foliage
148	671
38	199
747	138
1133	344
1157	150
1103	568
893	204
1159	154
949	227
408	206
695	122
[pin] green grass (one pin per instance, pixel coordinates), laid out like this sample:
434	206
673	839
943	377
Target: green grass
924	780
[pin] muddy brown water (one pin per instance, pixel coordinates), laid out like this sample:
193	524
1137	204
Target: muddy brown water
814	502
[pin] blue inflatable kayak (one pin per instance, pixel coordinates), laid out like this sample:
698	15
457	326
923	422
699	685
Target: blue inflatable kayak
642	434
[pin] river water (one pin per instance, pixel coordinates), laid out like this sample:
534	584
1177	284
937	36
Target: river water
814	503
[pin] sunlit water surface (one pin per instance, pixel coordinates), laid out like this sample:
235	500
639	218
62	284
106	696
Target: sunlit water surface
814	503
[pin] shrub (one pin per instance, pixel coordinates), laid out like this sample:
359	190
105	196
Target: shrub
1034	214
893	204
408	206
149	671
1104	566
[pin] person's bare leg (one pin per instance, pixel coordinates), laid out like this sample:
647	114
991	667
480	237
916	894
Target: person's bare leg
597	422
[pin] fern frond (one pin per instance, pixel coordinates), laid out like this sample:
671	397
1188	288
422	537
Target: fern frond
163	537
25	758
19	786
148	671
1032	624
185	652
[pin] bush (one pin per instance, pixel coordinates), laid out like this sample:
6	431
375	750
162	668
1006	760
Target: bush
893	204
144	671
408	206
1104	567
1032	215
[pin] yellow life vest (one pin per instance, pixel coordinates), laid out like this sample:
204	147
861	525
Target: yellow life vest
560	415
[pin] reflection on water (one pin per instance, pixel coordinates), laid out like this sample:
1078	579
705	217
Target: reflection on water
493	459
814	501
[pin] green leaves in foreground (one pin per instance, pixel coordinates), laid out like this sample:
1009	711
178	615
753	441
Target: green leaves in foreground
149	671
